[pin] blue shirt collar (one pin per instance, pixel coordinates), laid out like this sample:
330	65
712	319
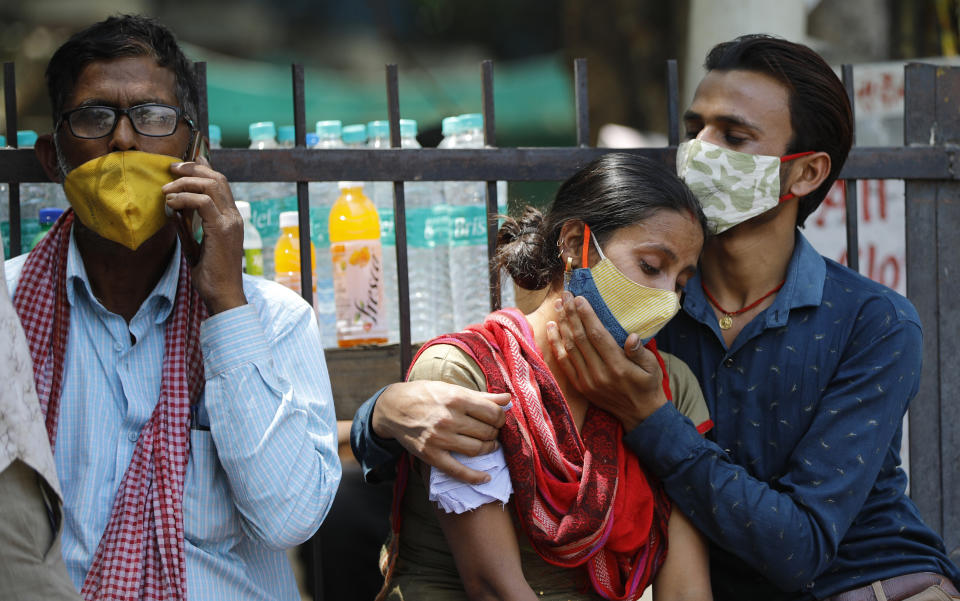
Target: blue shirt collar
161	298
806	274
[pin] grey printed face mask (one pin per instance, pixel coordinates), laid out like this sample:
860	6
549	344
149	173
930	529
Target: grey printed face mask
731	186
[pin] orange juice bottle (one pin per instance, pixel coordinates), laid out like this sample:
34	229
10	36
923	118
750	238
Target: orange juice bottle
357	268
286	255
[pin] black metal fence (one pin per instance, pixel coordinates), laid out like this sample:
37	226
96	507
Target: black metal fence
928	162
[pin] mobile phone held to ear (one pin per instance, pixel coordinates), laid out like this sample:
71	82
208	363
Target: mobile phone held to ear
189	222
198	147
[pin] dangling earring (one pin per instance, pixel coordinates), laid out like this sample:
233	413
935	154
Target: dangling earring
568	272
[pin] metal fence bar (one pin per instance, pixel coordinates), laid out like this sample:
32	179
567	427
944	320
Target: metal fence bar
673	103
306	274
850	185
582	99
933	256
203	113
922	288
919	163
400	224
490	141
948	324
10	105
303	192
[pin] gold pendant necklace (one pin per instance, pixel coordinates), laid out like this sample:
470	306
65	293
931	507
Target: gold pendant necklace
726	322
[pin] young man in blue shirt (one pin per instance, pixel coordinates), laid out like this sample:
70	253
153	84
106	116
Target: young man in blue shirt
807	367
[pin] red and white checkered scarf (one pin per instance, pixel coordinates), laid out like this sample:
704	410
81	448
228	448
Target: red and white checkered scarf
141	555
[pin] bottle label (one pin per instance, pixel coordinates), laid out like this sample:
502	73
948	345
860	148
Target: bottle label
253	261
358	289
429	227
468	225
28	231
387	227
319	226
292	280
265	216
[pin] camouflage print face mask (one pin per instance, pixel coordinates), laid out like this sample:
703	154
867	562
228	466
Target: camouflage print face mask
731	186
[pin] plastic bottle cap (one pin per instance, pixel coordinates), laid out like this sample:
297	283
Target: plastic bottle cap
26	138
448	126
349	185
378	129
355	134
49	215
214	134
263	130
408	128
244	208
329	128
312	139
286	133
470	121
289	219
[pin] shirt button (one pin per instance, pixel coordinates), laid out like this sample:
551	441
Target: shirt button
133	436
728	361
117	347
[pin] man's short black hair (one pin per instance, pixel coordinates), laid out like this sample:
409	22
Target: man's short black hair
820	114
117	37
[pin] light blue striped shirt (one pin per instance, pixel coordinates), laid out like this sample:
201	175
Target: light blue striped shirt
259	481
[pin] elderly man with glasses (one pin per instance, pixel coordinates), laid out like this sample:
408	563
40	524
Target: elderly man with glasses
188	405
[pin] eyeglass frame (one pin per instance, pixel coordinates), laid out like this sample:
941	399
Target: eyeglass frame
119	112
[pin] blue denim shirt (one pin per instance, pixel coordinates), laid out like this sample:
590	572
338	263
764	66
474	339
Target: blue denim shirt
798	485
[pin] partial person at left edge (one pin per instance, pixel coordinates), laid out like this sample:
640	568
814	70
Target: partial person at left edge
188	405
31	566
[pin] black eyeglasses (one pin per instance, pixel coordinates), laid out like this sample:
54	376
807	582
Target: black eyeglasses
151	119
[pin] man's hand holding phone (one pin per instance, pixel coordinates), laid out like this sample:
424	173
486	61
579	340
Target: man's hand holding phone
200	194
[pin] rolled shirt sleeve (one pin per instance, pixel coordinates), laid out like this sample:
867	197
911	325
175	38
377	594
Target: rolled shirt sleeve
377	456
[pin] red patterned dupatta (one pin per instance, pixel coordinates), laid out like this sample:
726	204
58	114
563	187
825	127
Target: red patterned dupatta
141	554
582	498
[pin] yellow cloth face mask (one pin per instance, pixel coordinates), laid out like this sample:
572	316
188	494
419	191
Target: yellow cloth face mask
622	305
118	195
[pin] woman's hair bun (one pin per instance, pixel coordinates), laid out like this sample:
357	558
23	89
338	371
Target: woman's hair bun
520	249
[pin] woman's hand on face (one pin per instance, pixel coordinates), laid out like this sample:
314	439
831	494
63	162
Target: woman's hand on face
627	381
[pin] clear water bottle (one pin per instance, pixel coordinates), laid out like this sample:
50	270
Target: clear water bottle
469	266
322	197
214	135
35	196
286	136
431	302
355	135
267	199
381	193
4	210
468	234
252	243
48	216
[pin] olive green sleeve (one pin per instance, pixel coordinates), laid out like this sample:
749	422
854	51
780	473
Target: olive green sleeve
448	363
687	395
